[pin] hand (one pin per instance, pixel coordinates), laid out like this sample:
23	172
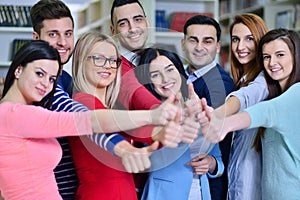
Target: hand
193	105
203	164
165	113
170	134
134	159
190	130
212	125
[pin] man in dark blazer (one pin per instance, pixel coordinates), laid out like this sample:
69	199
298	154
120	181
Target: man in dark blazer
201	44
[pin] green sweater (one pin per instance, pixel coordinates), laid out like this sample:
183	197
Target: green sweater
280	145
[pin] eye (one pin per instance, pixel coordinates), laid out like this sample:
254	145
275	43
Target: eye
52	34
154	75
250	38
52	80
208	41
192	41
123	23
139	19
39	74
266	57
235	39
170	69
280	54
69	34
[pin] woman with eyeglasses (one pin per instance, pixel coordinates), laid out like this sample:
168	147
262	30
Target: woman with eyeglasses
96	76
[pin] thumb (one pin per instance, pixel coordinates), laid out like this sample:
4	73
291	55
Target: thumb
206	108
191	90
152	147
170	99
177	116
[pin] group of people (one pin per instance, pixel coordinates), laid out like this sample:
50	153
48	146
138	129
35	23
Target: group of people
127	122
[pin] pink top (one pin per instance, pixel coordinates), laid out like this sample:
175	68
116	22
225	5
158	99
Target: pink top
29	151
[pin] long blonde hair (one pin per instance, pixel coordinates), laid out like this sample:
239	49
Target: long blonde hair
82	48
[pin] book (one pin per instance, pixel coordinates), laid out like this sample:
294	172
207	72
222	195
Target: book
16	45
179	19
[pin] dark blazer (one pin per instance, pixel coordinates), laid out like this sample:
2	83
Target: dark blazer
215	85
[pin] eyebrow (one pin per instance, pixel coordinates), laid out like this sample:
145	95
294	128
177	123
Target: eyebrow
126	19
164	68
45	71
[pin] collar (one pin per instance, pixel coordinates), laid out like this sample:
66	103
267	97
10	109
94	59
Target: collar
200	72
129	55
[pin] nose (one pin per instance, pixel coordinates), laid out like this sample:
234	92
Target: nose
45	82
241	45
61	41
132	25
272	61
164	78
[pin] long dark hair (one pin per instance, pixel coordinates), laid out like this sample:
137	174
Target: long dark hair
142	72
292	39
31	51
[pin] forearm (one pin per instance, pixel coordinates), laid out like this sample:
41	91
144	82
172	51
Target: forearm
106	121
238	121
107	141
230	107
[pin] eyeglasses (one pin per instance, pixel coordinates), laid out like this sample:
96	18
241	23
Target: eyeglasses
100	61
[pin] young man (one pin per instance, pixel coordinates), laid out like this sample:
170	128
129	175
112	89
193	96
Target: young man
200	44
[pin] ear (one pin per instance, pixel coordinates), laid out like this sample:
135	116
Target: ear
112	30
18	71
35	35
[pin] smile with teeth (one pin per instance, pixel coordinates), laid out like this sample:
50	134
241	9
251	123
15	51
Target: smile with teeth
275	69
168	86
243	54
104	74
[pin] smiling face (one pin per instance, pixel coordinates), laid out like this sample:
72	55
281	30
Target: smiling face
130	26
101	77
200	45
278	61
59	34
36	80
242	44
165	77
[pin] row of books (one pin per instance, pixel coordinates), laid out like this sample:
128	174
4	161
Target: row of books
16	45
176	20
13	15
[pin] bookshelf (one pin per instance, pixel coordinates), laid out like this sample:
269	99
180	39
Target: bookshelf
168	36
276	13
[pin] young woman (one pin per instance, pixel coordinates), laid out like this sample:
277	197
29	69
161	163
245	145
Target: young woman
279	53
244	167
170	176
28	149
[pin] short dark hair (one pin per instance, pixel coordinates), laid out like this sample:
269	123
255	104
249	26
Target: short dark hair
29	52
48	9
202	19
119	3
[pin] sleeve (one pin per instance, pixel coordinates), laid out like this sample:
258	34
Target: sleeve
281	113
105	141
133	95
42	123
216	153
255	92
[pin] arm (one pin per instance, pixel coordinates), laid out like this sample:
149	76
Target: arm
245	97
63	102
